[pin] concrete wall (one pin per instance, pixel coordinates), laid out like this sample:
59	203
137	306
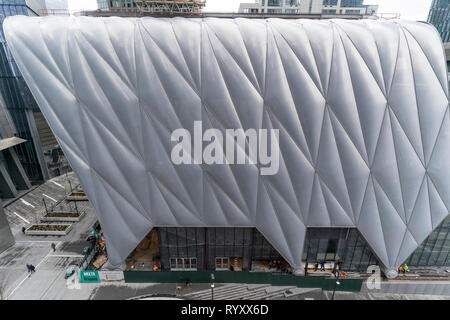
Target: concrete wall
6	237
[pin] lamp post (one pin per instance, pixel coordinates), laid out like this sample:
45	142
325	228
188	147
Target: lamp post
212	286
335	284
45	205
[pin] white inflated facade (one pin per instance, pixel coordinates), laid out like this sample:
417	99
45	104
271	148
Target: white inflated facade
362	110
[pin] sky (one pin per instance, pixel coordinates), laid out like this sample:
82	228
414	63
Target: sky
409	9
79	5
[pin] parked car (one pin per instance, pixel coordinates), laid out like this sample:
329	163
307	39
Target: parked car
70	270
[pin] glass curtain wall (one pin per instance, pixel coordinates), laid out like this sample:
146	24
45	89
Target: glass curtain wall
213	248
344	245
217	248
16	94
440	17
435	250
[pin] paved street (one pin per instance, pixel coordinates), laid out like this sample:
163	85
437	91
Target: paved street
48	281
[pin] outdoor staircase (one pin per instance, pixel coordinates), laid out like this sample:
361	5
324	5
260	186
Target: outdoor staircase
248	292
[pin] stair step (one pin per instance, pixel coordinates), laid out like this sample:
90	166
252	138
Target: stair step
260	294
248	292
219	292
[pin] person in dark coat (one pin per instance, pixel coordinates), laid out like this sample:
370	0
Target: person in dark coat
32	268
322	266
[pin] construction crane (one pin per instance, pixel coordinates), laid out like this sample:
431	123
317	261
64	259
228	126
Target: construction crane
170	6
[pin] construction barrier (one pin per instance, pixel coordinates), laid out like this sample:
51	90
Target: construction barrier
325	283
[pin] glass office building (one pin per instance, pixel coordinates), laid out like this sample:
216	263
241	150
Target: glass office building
40	155
18	99
440	17
309	7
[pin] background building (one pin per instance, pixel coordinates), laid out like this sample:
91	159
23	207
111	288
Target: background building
440	17
112	5
309	7
447	53
39	153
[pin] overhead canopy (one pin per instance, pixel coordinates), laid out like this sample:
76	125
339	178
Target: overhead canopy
10	142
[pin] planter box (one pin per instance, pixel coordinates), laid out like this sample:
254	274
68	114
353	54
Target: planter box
77	198
48	232
49	217
77	194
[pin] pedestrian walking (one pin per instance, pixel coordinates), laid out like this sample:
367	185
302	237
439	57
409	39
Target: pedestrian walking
23	230
335	269
53	247
28	268
32	269
322	266
177	290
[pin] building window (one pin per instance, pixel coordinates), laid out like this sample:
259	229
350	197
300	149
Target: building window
292	3
352	12
275	3
330	2
352	3
183	264
222	263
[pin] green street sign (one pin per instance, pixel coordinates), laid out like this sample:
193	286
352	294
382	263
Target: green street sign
89	277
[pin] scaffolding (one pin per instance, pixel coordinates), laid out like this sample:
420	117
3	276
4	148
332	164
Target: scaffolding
53	12
170	6
388	16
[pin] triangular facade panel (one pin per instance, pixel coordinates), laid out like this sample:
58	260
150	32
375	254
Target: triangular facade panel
361	111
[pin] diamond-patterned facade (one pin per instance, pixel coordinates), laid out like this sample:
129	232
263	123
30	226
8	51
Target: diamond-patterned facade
362	109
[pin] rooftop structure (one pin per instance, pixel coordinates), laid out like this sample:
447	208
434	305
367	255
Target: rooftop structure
152	6
329	7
